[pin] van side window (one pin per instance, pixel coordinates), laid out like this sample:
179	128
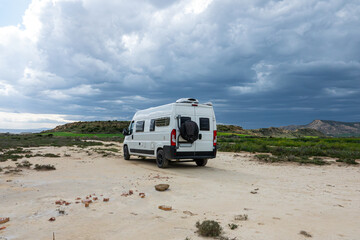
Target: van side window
140	126
204	124
162	122
152	125
184	119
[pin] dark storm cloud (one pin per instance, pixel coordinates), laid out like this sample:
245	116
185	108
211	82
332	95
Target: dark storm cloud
262	63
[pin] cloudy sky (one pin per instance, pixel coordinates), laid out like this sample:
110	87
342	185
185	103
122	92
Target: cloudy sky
262	63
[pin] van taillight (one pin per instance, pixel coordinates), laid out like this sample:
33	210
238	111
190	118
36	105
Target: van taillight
173	137
215	138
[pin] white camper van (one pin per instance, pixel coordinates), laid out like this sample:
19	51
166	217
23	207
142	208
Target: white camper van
174	132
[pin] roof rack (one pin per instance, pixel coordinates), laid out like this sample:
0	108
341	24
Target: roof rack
187	100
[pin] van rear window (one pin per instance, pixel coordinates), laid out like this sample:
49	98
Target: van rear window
162	122
204	124
184	119
140	126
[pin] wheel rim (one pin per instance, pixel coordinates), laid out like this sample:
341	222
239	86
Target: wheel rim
160	159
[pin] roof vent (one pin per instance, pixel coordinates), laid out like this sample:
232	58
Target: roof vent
208	103
187	100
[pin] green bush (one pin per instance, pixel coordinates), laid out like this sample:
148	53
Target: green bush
209	228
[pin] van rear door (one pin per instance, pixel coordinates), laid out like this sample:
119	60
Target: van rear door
205	121
186	113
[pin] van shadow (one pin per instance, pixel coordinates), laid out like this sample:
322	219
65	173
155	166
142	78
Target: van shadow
151	162
191	170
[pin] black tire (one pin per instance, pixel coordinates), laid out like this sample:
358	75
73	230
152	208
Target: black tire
189	131
161	160
126	153
201	162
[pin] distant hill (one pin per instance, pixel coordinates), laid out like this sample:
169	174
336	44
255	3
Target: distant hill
92	127
331	128
118	126
279	132
270	132
18	131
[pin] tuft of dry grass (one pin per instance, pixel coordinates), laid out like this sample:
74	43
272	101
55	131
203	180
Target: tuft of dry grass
44	167
306	234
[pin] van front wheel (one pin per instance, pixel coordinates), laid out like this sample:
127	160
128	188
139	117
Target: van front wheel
161	160
126	153
201	162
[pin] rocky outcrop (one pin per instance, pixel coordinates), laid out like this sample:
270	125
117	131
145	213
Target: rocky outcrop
328	127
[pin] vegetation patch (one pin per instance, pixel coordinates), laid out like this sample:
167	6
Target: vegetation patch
11	141
290	158
44	167
24	164
209	228
306	234
50	155
348	161
233	226
300	150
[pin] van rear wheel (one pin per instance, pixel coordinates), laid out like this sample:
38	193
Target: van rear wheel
161	160
126	153
201	162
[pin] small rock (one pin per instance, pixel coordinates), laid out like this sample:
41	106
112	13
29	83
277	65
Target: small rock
189	213
2	228
4	220
253	192
142	195
105	199
87	201
162	187
52	219
87	204
165	208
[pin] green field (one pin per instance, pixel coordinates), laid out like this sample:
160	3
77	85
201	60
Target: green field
294	149
232	134
307	149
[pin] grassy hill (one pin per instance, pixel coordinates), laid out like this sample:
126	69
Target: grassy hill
93	127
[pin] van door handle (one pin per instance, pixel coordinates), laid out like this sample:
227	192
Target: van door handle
132	137
200	136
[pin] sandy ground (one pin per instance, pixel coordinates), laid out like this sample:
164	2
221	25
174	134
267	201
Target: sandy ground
324	201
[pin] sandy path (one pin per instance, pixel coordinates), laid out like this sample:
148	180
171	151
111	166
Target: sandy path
322	200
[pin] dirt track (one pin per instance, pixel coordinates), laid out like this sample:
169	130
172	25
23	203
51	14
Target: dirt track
321	200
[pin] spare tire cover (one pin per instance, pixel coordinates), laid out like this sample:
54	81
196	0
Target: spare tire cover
189	131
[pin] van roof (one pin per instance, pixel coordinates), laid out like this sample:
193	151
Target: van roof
164	110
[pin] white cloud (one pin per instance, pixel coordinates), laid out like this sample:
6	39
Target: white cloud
262	81
197	6
6	89
32	120
340	92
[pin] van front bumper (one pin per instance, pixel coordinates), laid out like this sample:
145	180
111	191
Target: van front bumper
172	153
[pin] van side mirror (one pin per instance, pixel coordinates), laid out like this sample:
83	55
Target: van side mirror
125	132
